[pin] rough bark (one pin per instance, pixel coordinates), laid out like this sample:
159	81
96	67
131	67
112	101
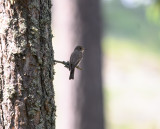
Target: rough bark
89	103
26	65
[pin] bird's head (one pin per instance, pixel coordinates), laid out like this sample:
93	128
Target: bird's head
79	48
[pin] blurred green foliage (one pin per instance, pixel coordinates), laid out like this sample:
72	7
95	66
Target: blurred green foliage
131	46
153	12
132	23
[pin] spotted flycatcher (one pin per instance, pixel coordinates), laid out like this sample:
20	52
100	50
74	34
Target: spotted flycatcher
75	59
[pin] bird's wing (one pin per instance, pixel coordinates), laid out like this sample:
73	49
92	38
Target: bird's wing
75	59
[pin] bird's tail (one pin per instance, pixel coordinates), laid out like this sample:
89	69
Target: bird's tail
71	74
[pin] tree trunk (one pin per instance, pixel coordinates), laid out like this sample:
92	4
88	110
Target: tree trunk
26	65
89	102
81	100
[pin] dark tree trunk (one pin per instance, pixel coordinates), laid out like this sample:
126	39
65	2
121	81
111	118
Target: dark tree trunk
89	103
26	65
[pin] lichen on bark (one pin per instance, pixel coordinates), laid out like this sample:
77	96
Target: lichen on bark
26	65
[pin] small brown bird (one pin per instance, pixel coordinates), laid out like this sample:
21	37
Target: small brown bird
75	59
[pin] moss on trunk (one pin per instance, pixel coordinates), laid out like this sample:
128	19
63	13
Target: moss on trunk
26	65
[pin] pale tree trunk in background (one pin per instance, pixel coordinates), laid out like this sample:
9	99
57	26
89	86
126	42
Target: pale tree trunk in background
26	65
64	11
89	102
79	101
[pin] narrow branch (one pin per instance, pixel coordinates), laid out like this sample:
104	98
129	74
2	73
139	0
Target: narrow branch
66	64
